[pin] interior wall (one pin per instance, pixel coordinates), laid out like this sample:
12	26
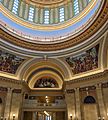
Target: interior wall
90	112
27	115
60	115
105	98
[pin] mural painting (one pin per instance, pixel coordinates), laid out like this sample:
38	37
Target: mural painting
9	63
46	82
85	61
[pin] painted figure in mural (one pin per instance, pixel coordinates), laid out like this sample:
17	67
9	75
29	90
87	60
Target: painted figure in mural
46	83
9	63
84	62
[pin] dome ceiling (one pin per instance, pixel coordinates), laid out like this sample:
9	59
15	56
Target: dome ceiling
79	28
43	17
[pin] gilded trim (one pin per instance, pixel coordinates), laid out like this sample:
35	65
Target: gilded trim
98	23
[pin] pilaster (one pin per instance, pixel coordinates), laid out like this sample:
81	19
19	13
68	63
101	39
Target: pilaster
70	102
78	107
100	102
8	104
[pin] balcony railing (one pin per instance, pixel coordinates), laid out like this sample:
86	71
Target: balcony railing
34	104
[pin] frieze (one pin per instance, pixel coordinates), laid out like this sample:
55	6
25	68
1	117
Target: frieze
88	88
101	19
69	91
17	91
3	89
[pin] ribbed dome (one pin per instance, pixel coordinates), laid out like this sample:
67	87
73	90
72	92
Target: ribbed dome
37	26
46	12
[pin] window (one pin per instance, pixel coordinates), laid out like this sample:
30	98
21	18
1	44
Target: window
46	17
61	13
15	6
31	14
76	7
89	100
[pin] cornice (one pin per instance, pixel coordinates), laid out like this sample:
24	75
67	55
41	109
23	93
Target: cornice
98	23
88	78
10	80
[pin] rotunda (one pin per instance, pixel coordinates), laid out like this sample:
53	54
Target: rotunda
53	59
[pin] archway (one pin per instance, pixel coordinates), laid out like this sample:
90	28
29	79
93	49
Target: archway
90	108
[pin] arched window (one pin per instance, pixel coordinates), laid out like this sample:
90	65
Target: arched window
46	16
15	6
31	14
46	82
89	100
61	14
76	7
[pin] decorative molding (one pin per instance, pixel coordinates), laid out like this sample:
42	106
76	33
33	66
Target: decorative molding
87	88
5	79
98	23
88	78
69	91
3	89
17	91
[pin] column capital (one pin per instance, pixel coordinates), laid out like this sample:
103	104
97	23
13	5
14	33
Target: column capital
98	85
76	89
9	89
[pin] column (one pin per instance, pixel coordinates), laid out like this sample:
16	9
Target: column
26	11
70	10
66	12
52	16
84	3
100	102
21	10
78	107
56	15
41	16
10	5
36	16
8	104
80	5
21	109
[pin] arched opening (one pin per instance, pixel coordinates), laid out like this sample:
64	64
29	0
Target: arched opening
89	100
90	108
46	82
